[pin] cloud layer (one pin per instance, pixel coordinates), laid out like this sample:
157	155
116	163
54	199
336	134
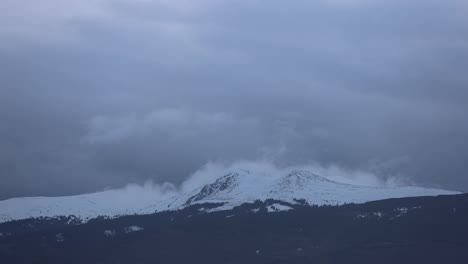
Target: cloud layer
100	93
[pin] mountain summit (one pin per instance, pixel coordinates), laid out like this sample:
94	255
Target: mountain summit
237	188
228	191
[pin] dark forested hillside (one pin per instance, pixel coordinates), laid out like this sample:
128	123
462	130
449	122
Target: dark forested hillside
410	230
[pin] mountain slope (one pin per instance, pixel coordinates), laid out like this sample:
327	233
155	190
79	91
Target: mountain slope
406	230
241	187
231	190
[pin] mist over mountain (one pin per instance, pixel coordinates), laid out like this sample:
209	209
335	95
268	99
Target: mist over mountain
244	185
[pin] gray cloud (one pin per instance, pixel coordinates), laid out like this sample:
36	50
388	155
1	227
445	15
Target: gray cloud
99	93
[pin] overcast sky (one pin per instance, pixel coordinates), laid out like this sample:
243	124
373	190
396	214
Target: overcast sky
101	93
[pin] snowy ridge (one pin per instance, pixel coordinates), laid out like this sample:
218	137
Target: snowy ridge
299	185
231	190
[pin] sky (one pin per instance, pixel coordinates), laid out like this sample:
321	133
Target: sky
98	94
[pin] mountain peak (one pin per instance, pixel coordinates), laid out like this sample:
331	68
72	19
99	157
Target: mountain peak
228	181
242	186
231	190
304	174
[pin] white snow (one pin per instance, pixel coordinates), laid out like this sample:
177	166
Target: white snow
277	208
131	229
304	185
402	210
377	215
361	216
232	190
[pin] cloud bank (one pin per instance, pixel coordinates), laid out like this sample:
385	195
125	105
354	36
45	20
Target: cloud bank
102	93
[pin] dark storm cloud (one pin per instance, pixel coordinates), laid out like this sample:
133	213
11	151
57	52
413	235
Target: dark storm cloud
100	93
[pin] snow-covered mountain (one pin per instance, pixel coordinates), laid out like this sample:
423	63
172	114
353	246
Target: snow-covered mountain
231	190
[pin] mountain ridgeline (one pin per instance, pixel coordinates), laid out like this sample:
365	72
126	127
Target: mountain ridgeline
241	217
234	189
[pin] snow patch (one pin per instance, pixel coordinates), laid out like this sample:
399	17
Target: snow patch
361	216
378	214
401	211
277	208
131	229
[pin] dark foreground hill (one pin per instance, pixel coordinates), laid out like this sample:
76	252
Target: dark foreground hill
409	230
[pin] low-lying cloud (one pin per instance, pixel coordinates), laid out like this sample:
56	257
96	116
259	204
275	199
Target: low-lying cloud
212	171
